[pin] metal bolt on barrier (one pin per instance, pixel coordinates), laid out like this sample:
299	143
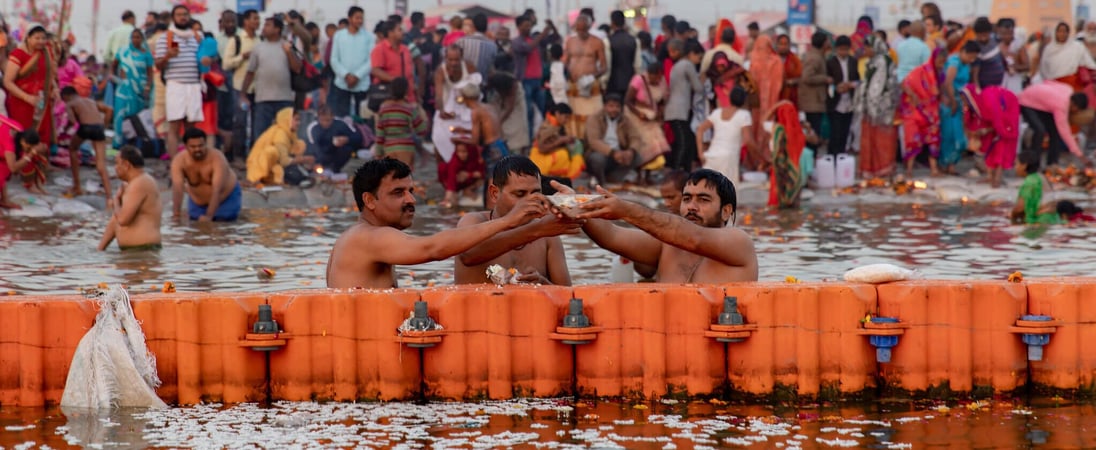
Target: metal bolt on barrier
883	334
265	335
730	327
576	328
420	330
1035	331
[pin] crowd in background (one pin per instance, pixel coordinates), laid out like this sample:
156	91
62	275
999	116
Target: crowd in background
604	104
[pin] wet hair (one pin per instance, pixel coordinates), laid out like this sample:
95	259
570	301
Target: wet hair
728	36
555	51
678	178
983	25
617	18
1031	159
738	97
644	39
1068	208
131	155
612	97
842	41
903	24
193	133
723	186
399	87
516	165
368	177
972	47
479	21
818	40
68	91
1080	100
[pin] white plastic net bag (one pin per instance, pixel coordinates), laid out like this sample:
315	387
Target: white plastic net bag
112	367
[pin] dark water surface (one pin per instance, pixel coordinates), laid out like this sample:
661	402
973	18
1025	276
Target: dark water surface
972	241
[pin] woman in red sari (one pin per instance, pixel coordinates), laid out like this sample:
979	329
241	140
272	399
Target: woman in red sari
920	111
30	81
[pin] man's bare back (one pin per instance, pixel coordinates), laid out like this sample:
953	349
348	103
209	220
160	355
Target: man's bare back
145	226
85	111
486	122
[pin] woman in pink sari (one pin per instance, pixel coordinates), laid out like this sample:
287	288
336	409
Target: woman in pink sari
920	111
992	121
644	101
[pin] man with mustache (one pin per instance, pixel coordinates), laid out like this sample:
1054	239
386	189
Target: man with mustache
534	250
211	186
365	255
177	58
696	247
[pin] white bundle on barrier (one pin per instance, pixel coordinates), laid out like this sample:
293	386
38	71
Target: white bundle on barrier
880	273
112	366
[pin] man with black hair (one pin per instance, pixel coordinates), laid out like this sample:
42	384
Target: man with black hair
611	137
815	82
903	32
753	31
176	56
350	63
416	35
1049	108
585	59
684	84
841	68
366	254
989	69
1017	62
529	67
391	59
478	48
698	245
625	59
119	37
90	127
268	70
212	189
137	208
533	250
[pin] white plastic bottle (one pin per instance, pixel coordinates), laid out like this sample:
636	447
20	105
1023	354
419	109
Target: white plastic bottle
623	271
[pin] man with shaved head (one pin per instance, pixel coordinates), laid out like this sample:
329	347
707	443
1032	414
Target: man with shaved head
913	51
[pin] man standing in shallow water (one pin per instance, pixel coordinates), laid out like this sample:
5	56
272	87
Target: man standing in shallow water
695	247
365	254
211	185
136	219
534	250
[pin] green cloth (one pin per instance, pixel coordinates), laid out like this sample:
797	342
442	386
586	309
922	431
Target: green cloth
135	248
1031	193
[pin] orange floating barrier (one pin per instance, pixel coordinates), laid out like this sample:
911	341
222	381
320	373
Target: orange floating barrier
651	341
38	337
959	336
496	343
806	342
1069	359
343	346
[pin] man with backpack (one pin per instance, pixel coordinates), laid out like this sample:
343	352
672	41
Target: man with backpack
177	58
234	60
269	71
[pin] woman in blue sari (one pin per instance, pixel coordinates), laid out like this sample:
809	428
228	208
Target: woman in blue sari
953	141
133	80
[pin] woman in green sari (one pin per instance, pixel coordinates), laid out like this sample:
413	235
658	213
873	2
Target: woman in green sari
133	80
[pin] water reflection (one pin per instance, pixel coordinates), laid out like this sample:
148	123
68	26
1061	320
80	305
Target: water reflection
57	254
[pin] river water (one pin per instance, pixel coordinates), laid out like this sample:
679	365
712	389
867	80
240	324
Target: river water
962	241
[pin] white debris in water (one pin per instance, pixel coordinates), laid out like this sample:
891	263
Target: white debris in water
1022	412
537	425
25	446
29	426
882	423
910	419
898	446
669	446
624	422
838	442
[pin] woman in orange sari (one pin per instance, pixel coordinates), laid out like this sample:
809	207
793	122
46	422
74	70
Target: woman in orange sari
30	82
767	72
919	110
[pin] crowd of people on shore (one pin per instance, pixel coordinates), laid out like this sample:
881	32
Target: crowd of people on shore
520	102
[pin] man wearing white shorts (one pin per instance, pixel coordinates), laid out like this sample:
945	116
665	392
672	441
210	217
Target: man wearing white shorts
177	58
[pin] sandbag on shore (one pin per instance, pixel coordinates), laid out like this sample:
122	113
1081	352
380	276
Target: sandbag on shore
112	367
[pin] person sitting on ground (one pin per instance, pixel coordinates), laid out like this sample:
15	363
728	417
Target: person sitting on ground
10	161
213	191
398	122
137	208
90	120
612	137
697	246
365	254
34	174
556	151
1030	208
534	250
1071	213
278	149
670	190
333	140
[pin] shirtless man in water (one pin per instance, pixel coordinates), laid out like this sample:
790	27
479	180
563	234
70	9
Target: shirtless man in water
534	250
365	255
584	57
211	185
694	247
137	209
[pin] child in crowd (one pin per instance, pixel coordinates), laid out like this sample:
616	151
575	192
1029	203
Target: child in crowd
556	151
464	175
557	79
12	161
1029	207
1071	213
85	112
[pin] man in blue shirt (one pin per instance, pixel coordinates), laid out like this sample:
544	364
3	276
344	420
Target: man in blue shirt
913	51
350	50
332	140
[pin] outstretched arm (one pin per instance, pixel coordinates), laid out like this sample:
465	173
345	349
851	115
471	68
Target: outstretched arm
503	242
627	242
